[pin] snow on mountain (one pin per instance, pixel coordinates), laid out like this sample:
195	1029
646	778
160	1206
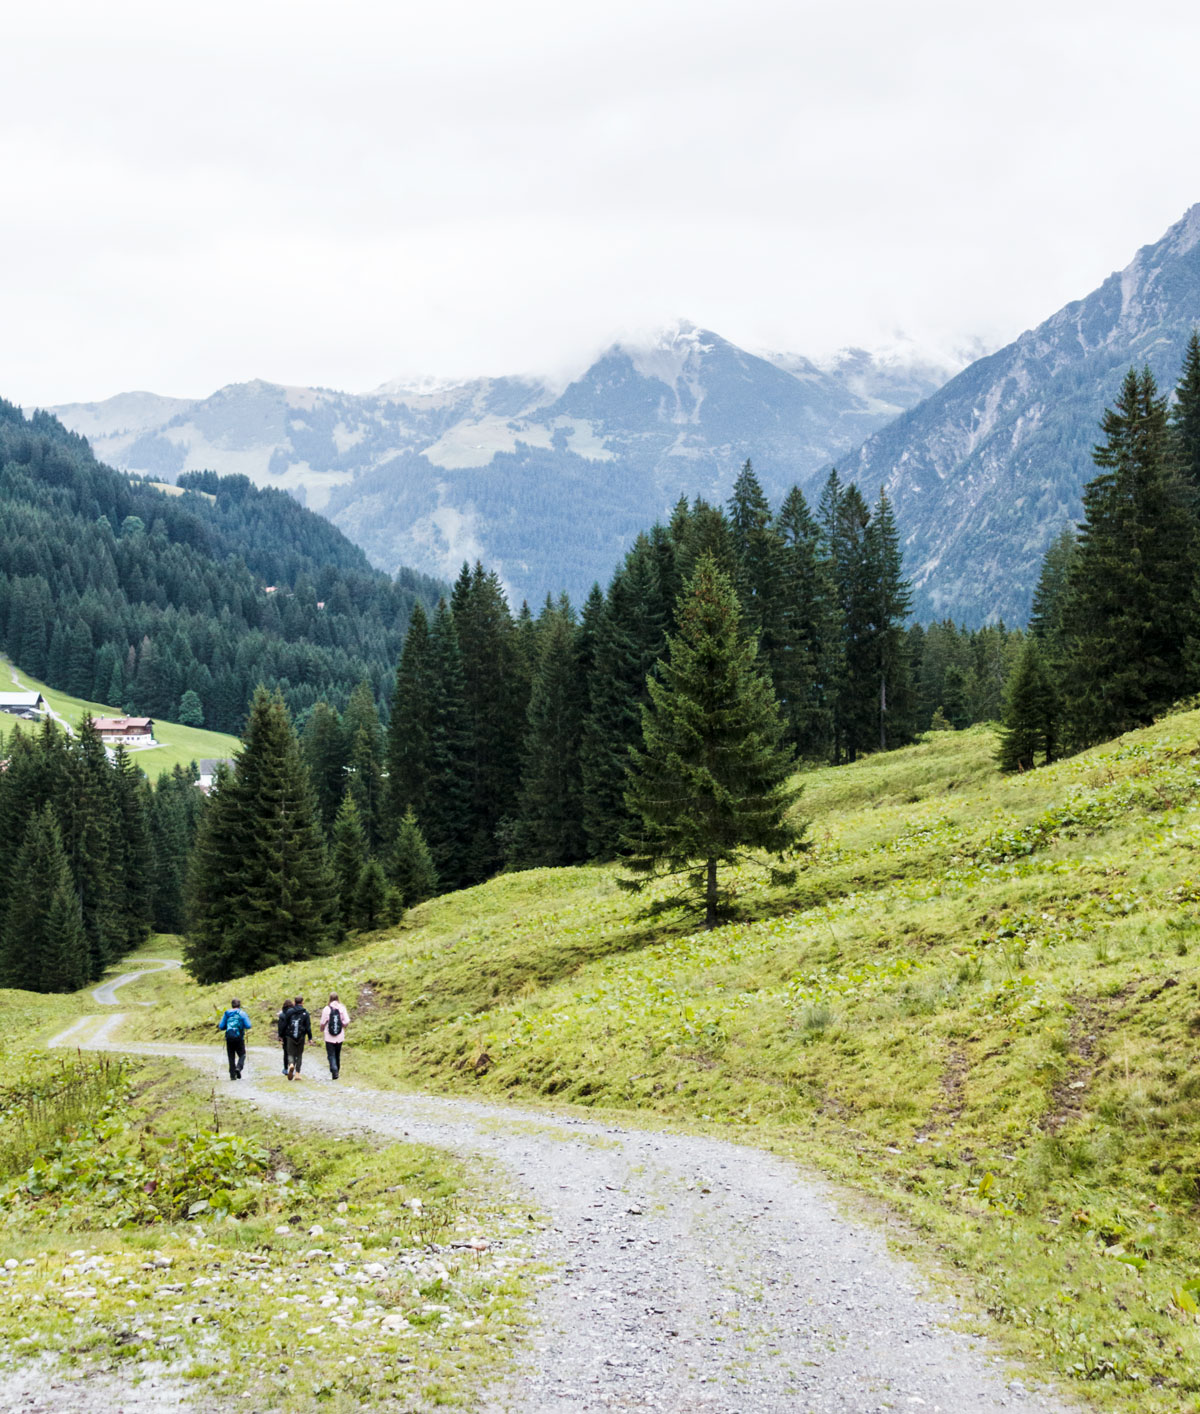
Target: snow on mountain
548	484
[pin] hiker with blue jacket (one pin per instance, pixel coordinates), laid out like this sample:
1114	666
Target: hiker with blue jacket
235	1023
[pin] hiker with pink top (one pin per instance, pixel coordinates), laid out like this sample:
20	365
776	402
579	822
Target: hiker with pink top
334	1020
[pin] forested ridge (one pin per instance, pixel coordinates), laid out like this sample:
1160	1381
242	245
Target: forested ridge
117	592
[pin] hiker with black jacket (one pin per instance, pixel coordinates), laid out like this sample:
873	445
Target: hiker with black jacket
281	1028
298	1029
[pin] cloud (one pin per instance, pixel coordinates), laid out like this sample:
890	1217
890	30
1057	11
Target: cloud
341	195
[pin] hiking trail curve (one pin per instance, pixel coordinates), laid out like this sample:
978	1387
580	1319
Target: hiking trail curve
694	1274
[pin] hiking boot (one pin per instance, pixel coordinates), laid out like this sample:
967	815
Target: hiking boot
290	1072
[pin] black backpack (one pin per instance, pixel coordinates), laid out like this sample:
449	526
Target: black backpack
334	1025
295	1023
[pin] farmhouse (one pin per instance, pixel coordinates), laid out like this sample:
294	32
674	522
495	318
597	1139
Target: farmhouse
22	704
125	731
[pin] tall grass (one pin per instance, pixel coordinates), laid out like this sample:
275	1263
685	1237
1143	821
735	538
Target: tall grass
50	1103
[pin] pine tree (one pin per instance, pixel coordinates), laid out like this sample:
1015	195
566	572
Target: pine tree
261	887
1129	607
891	599
448	822
364	761
324	752
1185	416
1049	596
370	896
549	828
710	782
411	865
759	549
1031	714
131	853
802	664
91	823
42	946
495	697
409	766
191	711
349	855
65	960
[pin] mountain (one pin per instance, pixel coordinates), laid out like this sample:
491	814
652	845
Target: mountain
547	484
118	590
986	471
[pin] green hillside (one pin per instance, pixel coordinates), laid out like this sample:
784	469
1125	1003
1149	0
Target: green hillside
177	745
980	1003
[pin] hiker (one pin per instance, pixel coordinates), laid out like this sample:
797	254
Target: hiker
298	1029
334	1020
235	1023
281	1028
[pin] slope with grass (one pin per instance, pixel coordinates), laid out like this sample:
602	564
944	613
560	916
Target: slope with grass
177	745
979	1003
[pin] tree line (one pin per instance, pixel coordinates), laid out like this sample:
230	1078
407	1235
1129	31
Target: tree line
1115	630
91	857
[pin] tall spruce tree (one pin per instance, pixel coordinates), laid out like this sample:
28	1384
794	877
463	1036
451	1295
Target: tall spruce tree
262	891
891	599
495	699
1185	416
411	866
1031	714
364	761
628	640
409	766
710	783
349	854
42	945
549	828
1050	593
323	747
1129	608
759	549
448	821
802	663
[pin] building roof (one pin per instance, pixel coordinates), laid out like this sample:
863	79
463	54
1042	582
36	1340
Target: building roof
123	724
21	699
208	766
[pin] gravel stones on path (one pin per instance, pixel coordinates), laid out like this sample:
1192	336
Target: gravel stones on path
689	1274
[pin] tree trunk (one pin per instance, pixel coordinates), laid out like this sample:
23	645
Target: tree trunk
710	896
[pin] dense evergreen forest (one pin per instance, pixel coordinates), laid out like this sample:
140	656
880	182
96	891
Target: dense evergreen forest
1115	631
117	592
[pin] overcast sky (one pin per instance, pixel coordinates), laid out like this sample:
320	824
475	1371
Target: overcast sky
338	194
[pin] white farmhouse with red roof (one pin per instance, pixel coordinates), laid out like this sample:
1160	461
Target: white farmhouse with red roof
125	731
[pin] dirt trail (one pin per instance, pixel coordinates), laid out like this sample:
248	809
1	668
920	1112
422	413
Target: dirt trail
694	1274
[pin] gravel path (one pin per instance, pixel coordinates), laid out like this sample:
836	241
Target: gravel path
695	1274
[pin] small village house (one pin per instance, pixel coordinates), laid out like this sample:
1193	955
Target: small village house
29	705
125	731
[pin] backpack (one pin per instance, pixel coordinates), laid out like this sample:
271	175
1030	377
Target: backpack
234	1025
295	1024
334	1024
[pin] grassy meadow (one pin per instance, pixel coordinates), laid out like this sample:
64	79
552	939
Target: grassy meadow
979	1005
177	745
